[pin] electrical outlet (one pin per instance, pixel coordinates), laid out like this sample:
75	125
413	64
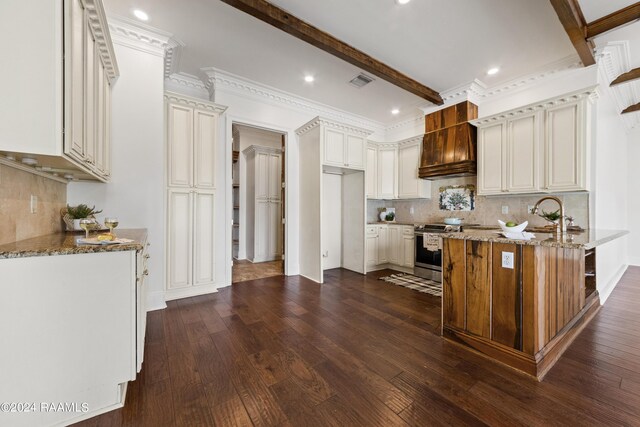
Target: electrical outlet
505	210
411	210
507	260
529	208
34	204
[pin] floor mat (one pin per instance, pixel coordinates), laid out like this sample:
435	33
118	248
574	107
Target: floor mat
414	282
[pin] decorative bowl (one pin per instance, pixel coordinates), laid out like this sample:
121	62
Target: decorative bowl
516	229
453	221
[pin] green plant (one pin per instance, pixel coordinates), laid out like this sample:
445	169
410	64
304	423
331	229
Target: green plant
551	216
81	211
390	216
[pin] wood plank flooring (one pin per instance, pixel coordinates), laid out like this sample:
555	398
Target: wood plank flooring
244	270
357	351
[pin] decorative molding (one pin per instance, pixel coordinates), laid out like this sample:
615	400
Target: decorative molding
261	149
412	140
321	121
186	84
590	93
135	35
178	98
614	59
172	56
208	77
98	21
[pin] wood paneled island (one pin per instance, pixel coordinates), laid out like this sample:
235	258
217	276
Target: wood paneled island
519	302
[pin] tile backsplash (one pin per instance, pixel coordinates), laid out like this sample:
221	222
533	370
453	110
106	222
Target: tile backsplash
487	209
16	188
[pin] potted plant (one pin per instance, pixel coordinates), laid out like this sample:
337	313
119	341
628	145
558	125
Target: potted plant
76	213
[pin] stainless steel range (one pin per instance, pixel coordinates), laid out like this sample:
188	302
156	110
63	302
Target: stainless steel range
428	258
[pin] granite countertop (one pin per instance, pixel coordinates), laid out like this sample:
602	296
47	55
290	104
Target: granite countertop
392	223
585	240
65	244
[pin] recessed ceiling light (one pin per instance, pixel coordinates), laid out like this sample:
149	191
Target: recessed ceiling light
395	111
402	1
141	15
493	71
309	78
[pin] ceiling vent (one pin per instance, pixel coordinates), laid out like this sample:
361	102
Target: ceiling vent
361	80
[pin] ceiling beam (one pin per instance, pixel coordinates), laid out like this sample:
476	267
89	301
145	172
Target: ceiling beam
627	77
613	20
631	108
572	20
298	28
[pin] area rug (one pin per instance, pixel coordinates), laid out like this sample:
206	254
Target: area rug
414	282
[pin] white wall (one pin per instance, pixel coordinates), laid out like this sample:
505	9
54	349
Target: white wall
331	221
633	159
136	192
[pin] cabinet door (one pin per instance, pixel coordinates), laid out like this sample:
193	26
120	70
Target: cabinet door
275	246
523	145
334	148
387	159
356	146
409	249
274	176
90	95
204	238
491	148
372	250
372	173
383	245
180	141
106	147
204	145
75	30
410	186
179	239
395	240
565	148
262	175
262	231
99	114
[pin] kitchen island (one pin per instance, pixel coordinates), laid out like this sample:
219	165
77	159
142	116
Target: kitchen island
520	302
72	321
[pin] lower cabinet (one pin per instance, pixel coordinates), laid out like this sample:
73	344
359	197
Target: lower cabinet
389	244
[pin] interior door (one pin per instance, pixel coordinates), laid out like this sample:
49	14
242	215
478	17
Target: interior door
262	230
331	221
179	236
203	236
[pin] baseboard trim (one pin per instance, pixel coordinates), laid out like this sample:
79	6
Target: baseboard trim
194	291
156	301
634	261
606	290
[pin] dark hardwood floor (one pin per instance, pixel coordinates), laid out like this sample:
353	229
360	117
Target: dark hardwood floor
357	351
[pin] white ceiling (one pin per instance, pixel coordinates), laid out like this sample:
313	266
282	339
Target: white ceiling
440	44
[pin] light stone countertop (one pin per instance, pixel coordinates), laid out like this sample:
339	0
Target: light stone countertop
392	223
585	240
65	244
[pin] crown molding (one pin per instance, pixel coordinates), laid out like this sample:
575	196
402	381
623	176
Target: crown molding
322	121
178	98
172	56
135	35
261	149
614	59
98	22
185	84
208	77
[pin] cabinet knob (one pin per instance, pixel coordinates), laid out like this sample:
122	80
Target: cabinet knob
147	256
146	272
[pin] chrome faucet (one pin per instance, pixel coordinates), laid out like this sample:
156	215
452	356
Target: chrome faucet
562	227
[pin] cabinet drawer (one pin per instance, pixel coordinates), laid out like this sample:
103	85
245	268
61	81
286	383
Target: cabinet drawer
407	230
371	229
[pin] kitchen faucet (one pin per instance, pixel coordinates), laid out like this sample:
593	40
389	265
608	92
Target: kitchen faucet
561	227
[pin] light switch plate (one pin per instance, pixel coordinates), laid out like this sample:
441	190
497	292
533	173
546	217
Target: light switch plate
505	210
507	260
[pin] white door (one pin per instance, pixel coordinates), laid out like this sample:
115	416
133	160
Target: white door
180	141
262	230
90	95
331	221
274	176
565	148
387	159
383	244
179	239
99	113
409	249
491	147
372	172
395	242
334	148
410	186
203	238
262	175
204	146
372	250
275	245
75	31
355	152
523	145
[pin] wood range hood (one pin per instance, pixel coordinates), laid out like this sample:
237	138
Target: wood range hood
449	146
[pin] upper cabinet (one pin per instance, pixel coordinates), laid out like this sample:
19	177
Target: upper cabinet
538	148
62	119
392	171
344	148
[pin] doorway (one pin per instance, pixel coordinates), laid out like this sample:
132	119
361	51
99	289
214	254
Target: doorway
258	176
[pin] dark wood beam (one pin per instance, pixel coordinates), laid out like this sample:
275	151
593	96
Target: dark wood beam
613	20
572	20
288	23
627	77
631	108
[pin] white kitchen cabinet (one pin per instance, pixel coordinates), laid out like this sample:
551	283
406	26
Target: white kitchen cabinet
390	245
387	172
62	119
372	172
537	148
371	236
263	214
395	247
191	127
383	244
408	247
343	149
410	186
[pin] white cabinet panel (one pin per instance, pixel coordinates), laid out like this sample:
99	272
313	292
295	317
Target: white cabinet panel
262	230
523	147
275	245
387	164
409	248
90	93
565	148
355	152
274	175
180	145
205	125
491	147
179	238
334	147
204	242
383	244
372	173
75	80
394	254
410	186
